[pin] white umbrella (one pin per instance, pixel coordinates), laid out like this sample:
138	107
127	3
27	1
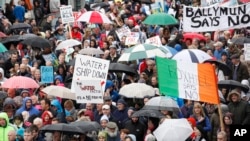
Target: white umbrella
68	43
192	55
59	91
91	51
162	103
173	130
94	17
137	90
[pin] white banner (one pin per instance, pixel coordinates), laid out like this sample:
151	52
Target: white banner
247	52
213	18
88	91
67	14
132	39
90	68
123	31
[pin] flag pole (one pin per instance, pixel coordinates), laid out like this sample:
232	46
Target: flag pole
70	34
221	117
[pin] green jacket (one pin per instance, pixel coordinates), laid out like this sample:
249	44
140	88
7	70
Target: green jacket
4	130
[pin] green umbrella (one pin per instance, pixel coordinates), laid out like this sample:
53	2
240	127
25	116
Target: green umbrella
2	48
160	19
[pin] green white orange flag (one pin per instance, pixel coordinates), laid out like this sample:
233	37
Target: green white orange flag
187	80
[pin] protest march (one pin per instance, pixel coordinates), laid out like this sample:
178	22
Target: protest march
124	70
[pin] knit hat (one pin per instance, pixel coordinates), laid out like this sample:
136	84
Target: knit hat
132	137
111	125
122	102
102	134
104	117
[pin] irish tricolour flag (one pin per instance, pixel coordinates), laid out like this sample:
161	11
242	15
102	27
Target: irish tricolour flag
187	80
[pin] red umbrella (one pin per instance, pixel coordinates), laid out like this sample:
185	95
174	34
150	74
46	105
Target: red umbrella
93	17
20	82
193	35
2	35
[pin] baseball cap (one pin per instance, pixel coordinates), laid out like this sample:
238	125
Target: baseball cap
106	107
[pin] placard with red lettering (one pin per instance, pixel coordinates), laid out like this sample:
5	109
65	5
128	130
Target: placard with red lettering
90	68
132	39
154	41
88	91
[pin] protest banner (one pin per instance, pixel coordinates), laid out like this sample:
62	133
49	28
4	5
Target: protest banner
67	14
247	52
191	81
214	18
76	16
47	74
123	31
132	39
90	68
154	41
88	91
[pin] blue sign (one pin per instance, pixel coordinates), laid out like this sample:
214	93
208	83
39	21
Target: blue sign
47	74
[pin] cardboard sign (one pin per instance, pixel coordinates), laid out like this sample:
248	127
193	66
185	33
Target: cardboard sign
154	41
247	52
47	74
67	14
88	91
90	68
214	18
124	31
132	39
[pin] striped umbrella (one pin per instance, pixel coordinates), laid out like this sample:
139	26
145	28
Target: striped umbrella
170	52
192	55
94	17
141	51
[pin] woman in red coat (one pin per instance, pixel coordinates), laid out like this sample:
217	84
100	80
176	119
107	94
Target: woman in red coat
76	34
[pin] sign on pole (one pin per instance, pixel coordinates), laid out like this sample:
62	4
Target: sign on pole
88	91
90	68
47	74
154	41
67	14
247	52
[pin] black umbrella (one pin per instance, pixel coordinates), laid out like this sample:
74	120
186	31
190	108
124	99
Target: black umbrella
20	25
232	84
37	42
27	36
119	67
241	40
148	113
87	126
11	39
63	128
225	68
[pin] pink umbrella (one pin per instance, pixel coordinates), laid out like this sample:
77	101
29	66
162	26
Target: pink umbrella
93	17
20	82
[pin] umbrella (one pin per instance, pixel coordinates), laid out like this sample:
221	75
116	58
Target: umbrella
20	25
241	40
2	35
26	36
148	113
37	42
119	67
91	51
173	130
59	91
93	17
162	103
194	35
192	55
68	43
87	126
169	51
232	84
9	39
140	52
2	48
160	19
20	82
225	68
63	128
137	90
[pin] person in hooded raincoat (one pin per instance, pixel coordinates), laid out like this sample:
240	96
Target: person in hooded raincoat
4	126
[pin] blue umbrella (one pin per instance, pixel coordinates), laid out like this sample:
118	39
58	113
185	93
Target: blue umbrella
170	52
